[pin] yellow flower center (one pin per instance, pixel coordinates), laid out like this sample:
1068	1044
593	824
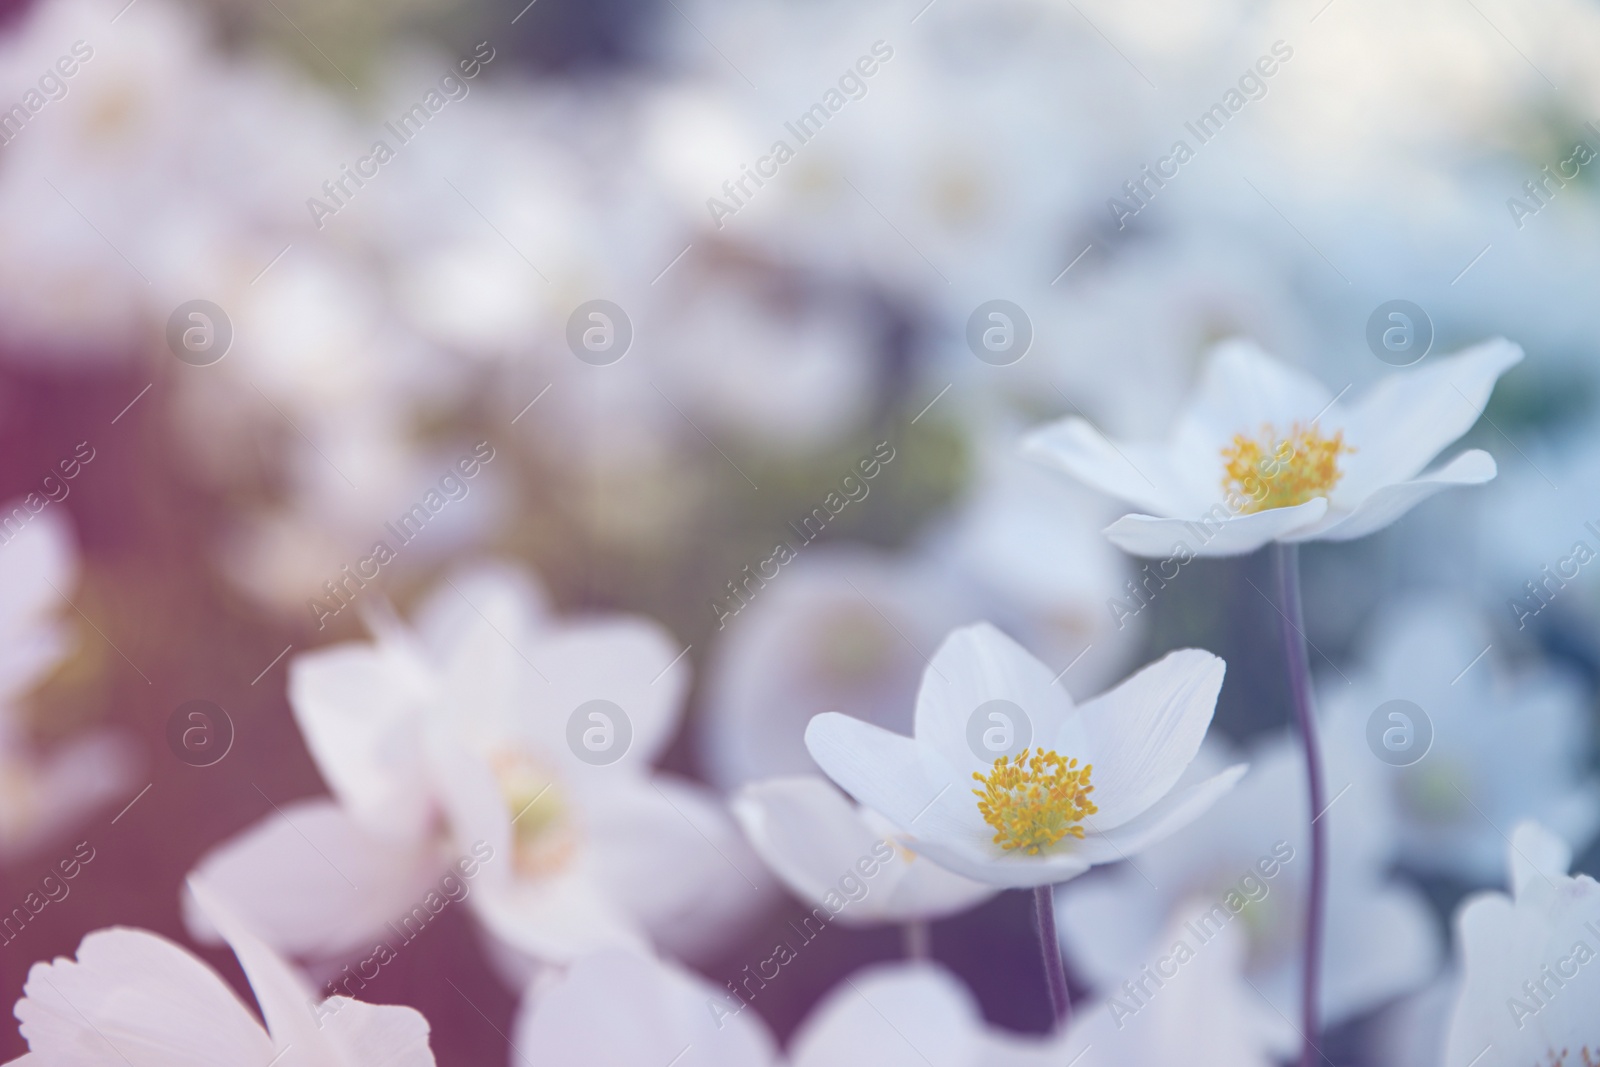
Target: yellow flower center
543	836
1034	801
1280	472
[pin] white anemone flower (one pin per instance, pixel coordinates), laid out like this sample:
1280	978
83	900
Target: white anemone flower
1507	743
1065	787
134	999
477	747
1530	983
812	837
1265	453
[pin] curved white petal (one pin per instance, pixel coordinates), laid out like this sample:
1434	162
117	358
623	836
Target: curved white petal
1390	502
1242	390
620	1009
666	851
1536	853
377	1035
897	1015
983	861
1410	416
133	999
634	663
883	770
1137	473
1146	731
1167	816
360	710
1224	535
556	918
978	664
313	882
812	837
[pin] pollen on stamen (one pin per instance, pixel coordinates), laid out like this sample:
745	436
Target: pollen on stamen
1032	802
1281	471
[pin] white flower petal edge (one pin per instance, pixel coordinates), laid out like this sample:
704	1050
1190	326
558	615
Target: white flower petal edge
1391	434
1529	981
1138	738
811	837
622	1009
133	999
911	1015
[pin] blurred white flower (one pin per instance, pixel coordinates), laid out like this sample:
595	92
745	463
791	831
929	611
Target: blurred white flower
810	835
839	629
491	724
897	1015
1265	453
43	792
1098	785
1505	745
134	999
1191	1003
1530	986
1248	859
620	1009
1027	550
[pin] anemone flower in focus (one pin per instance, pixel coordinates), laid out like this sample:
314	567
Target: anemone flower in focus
1264	452
493	732
134	999
811	836
1092	784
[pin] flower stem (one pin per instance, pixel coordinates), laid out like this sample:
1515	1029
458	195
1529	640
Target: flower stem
916	937
1055	974
1287	558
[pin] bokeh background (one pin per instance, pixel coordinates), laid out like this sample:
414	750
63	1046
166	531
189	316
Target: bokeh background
772	347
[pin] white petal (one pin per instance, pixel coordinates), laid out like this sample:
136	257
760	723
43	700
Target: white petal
983	861
377	1035
899	1015
1241	391
666	851
618	1009
556	918
1138	473
360	713
1223	535
631	662
883	770
506	595
978	664
1382	943
286	1000
1411	416
811	837
1143	733
1388	503
1166	817
314	882
132	998
1535	853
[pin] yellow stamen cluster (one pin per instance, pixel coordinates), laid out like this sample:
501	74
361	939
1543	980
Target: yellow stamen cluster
1280	472
1034	801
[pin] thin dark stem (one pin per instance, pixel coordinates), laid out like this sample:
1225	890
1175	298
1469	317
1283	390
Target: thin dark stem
916	937
1287	558
1055	974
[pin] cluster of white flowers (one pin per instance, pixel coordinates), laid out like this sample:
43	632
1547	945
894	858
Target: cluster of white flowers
608	337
